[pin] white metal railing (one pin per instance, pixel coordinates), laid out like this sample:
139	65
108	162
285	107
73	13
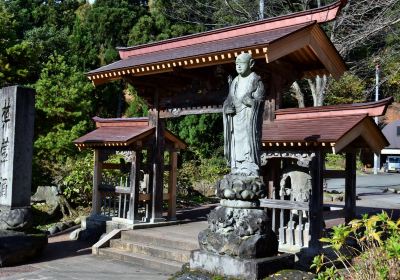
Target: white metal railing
115	199
290	221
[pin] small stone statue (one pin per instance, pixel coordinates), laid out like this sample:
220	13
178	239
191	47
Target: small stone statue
243	109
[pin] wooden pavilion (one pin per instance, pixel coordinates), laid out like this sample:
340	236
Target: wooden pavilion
188	75
302	138
134	138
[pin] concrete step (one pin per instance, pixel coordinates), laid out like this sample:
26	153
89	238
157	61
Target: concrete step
174	254
152	262
175	240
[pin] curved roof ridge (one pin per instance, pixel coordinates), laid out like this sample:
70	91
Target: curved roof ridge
373	109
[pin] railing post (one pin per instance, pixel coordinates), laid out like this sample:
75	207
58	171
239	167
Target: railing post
134	187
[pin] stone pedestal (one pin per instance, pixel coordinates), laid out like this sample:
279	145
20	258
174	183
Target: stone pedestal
15	219
239	232
248	269
239	241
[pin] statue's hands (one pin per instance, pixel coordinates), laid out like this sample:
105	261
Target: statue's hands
229	80
229	110
248	101
228	107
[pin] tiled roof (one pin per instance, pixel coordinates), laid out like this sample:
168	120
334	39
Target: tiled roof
309	130
372	109
114	136
184	52
122	132
296	36
336	132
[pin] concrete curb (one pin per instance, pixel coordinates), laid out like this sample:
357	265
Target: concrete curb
105	240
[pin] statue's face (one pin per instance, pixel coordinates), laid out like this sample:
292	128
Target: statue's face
243	64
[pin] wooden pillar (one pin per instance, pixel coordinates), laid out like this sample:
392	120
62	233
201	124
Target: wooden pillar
134	187
316	202
96	199
350	187
158	164
172	185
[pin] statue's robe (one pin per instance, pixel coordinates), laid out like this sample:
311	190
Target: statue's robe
243	110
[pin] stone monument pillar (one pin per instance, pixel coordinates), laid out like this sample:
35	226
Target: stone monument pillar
239	239
17	112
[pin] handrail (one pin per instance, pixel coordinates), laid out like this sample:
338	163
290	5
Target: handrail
284	204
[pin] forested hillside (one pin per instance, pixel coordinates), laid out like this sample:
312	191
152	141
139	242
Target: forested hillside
49	45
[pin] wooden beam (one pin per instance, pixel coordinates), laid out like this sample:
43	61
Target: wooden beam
112	166
177	112
172	186
350	187
334	174
284	204
134	186
158	164
316	202
96	199
146	197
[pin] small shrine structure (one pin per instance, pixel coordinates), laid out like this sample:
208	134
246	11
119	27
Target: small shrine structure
133	138
294	150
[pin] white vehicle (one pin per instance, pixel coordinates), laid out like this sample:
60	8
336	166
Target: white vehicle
392	164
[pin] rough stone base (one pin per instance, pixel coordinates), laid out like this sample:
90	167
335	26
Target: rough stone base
18	247
240	268
253	246
244	233
15	219
241	187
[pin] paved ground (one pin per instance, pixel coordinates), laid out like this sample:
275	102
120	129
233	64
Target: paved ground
65	259
374	191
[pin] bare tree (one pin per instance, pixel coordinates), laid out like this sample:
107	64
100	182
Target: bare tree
359	24
297	94
363	21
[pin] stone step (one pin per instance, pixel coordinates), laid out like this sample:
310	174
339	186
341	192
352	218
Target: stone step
152	262
169	253
175	241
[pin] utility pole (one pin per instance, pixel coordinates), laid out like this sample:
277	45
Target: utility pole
376	156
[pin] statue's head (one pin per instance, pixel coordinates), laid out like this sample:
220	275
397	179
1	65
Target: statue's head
244	63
